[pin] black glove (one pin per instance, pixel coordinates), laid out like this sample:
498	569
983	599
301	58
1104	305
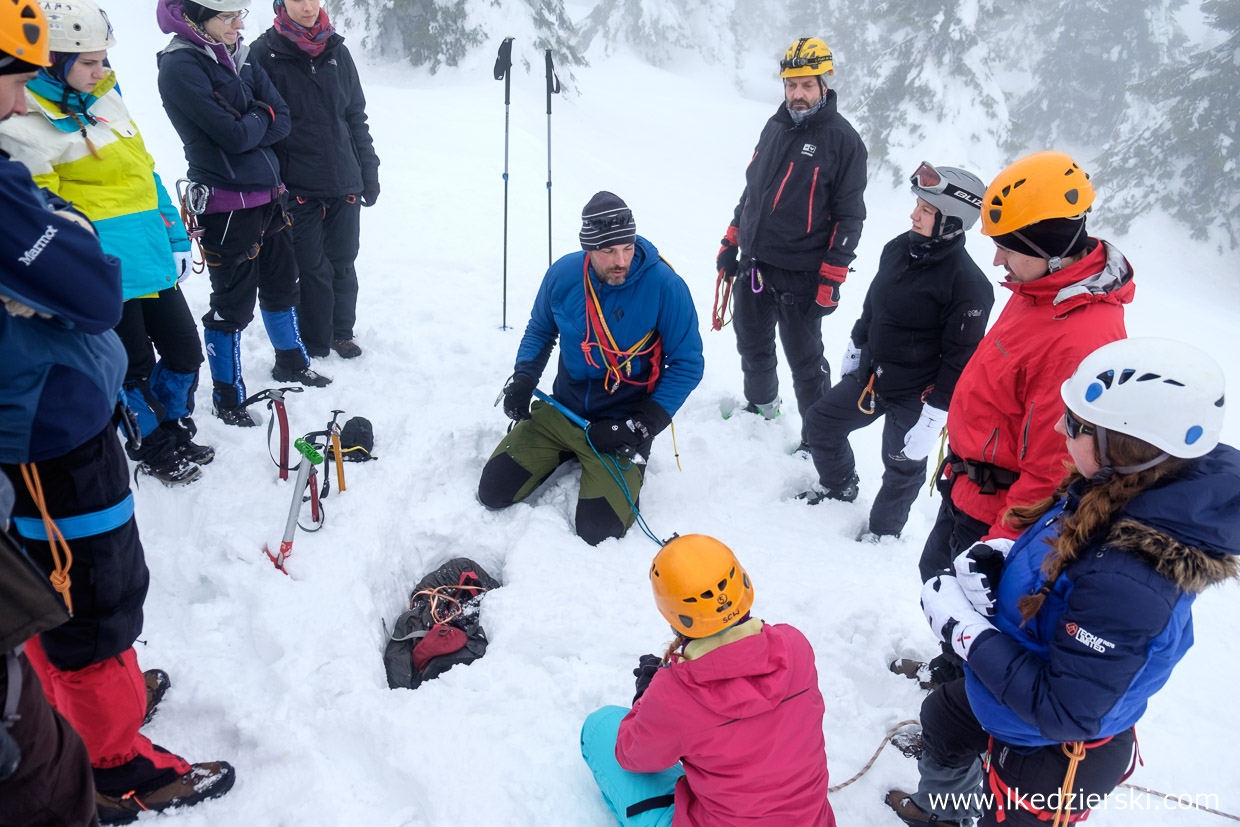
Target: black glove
370	194
618	436
517	392
264	110
725	261
647	665
978	569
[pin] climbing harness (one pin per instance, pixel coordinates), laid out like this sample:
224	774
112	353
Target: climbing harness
193	198
618	369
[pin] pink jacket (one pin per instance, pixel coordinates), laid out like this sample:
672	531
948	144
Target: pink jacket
745	720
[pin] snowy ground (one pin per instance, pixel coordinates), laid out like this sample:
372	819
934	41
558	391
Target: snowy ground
283	677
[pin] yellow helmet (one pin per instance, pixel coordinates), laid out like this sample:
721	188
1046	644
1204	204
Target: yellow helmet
699	586
1037	187
807	56
23	33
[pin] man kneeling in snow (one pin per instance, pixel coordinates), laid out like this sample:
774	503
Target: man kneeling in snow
639	357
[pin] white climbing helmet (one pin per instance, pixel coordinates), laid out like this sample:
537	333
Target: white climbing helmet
75	26
1165	392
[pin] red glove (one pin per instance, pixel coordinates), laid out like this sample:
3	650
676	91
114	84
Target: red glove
829	288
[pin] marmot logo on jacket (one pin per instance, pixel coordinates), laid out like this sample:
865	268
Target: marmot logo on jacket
1089	639
43	241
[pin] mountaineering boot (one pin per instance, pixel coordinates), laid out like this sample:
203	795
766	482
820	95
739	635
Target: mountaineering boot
157	683
170	469
769	410
927	677
203	781
874	537
346	348
183	431
910	813
234	416
844	493
305	376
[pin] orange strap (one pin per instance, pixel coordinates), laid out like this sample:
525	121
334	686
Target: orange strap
55	540
617	371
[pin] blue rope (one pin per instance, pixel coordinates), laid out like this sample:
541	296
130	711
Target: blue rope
617	475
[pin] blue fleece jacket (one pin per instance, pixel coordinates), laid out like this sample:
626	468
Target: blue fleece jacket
1118	619
652	297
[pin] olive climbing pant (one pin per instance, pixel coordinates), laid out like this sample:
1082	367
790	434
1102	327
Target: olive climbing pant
534	448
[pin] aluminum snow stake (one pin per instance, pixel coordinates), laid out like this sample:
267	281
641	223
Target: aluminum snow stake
310	457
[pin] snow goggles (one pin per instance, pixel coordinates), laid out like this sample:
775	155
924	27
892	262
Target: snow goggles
927	178
609	221
1074	426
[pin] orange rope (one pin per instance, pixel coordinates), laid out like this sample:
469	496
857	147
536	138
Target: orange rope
720	317
1076	753
434	595
613	353
60	573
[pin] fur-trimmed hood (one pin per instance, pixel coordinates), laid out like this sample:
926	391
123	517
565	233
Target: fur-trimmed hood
1188	528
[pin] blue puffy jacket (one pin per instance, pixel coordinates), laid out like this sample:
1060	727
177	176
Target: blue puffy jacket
1118	619
61	370
652	297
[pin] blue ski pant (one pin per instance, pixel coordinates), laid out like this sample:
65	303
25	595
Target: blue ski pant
646	795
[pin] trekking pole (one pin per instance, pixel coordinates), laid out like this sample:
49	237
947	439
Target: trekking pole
503	71
309	458
553	87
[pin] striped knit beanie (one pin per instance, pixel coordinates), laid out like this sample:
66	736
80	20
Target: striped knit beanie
606	222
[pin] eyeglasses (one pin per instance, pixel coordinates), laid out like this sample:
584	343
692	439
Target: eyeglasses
232	17
609	221
1074	426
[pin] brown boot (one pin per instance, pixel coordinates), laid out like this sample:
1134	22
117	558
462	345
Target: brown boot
916	670
203	781
910	813
157	683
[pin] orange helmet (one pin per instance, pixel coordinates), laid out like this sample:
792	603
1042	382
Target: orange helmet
699	586
1037	187
23	33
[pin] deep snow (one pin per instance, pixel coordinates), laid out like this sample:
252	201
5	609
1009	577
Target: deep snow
283	677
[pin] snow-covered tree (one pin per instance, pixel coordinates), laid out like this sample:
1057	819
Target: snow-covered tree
1179	153
657	29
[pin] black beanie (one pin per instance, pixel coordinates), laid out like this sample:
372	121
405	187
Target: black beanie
10	65
198	13
1061	237
606	222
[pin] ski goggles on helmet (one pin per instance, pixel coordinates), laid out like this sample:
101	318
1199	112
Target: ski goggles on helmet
927	178
610	221
1074	426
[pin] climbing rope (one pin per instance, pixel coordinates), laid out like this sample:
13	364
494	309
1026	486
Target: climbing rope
55	539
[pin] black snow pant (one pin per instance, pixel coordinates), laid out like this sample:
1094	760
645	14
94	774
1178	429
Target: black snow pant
158	392
836	415
954	785
53	785
326	235
783	299
249	254
953	532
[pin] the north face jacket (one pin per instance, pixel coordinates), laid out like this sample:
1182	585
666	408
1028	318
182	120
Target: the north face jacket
329	151
652	298
116	186
1007	400
1118	619
922	320
745	721
803	203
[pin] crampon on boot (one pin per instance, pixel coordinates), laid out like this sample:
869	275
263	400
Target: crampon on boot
170	469
845	493
239	417
157	683
183	431
203	781
305	376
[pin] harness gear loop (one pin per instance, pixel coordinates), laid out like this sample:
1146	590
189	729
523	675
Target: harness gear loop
869	390
617	371
60	572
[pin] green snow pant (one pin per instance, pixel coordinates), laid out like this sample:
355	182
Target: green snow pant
536	447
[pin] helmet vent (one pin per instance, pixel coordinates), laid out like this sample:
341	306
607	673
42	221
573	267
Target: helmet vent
723	584
686	621
1219	403
1126	374
1145	377
1173	382
1072	196
1106	377
689	600
745	579
724	607
707	595
27	13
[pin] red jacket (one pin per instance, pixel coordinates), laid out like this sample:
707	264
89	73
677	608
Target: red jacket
1007	401
745	720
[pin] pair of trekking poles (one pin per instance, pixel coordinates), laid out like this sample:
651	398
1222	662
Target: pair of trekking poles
503	71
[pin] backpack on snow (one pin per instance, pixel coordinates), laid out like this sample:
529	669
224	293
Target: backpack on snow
440	628
357	441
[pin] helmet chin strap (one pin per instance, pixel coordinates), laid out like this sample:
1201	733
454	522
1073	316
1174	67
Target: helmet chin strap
1107	470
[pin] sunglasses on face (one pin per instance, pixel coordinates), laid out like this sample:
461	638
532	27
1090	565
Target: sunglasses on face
1074	426
608	222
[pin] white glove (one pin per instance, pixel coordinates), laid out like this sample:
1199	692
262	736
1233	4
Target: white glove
951	616
184	264
922	436
851	360
978	569
15	308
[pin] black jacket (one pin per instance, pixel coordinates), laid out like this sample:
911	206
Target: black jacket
922	320
227	139
804	203
329	151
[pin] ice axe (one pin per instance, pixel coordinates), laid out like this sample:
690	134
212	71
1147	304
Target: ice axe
334	431
310	457
275	399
